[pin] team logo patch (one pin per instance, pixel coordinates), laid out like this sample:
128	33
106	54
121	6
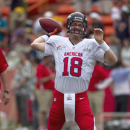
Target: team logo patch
69	97
54	99
60	47
73	48
87	48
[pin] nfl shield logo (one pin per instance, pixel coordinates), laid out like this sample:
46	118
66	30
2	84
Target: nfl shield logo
73	48
69	97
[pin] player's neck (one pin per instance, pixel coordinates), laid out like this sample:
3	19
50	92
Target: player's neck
75	41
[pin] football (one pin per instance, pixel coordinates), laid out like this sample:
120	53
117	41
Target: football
49	25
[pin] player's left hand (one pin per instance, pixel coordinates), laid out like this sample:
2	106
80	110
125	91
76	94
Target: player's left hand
6	98
98	35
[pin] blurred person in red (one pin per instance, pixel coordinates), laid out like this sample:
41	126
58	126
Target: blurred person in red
96	95
45	86
4	77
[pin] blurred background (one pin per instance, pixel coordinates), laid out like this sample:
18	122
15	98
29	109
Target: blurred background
19	26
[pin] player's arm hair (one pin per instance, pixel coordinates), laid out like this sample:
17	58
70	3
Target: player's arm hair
38	44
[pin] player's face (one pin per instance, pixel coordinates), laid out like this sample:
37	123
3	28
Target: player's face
77	28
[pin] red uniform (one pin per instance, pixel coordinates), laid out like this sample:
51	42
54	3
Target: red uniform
3	63
83	114
42	72
98	75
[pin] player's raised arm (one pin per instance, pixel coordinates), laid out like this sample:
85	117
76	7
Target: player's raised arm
39	43
109	56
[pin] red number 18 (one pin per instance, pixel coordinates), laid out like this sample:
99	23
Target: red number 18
73	66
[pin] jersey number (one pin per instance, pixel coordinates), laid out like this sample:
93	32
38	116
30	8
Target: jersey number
72	67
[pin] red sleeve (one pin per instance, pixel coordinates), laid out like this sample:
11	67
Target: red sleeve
102	73
98	75
41	72
3	62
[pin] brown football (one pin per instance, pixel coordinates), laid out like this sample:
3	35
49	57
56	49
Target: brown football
49	25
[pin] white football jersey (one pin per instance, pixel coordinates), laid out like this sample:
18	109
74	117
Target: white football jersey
74	63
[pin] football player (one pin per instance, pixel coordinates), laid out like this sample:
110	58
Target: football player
75	58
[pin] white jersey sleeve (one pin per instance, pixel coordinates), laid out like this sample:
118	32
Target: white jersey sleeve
51	46
48	49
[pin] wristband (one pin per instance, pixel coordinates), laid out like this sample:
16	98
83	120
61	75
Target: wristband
45	37
105	47
7	91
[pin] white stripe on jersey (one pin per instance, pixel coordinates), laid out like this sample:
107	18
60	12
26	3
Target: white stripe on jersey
71	84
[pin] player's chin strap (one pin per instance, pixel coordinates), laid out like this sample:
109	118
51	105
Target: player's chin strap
46	36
